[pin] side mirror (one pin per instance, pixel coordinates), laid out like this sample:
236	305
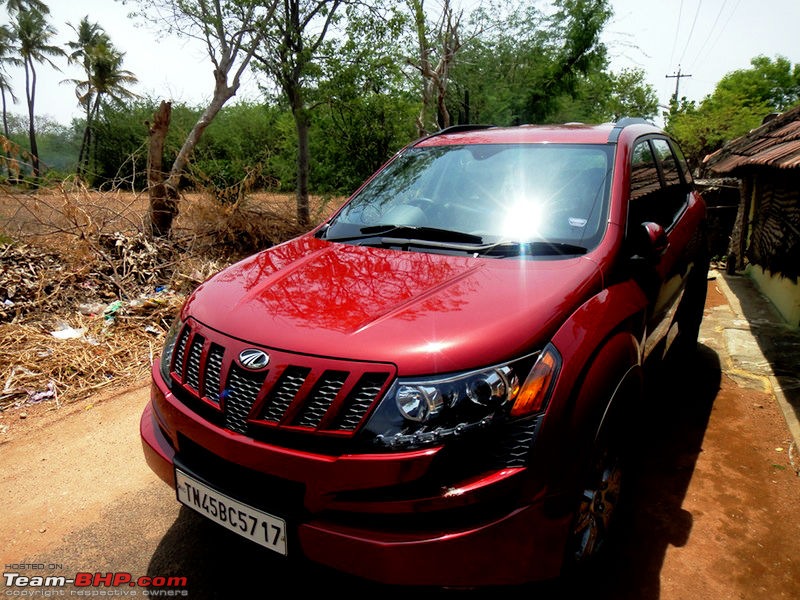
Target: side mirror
649	242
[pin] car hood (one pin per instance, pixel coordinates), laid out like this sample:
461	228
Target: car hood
424	312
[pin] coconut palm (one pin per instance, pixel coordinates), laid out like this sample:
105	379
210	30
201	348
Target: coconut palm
7	58
89	37
105	79
17	6
34	35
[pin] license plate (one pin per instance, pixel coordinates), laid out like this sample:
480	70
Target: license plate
255	525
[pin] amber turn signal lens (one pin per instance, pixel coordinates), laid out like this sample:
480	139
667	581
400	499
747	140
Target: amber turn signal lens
535	391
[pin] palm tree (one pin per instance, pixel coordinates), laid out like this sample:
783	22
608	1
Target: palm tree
109	82
7	47
105	79
17	6
84	50
33	34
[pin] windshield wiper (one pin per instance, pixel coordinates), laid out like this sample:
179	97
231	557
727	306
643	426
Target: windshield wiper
537	248
363	233
410	234
432	237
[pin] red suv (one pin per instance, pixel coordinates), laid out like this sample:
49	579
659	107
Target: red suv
435	386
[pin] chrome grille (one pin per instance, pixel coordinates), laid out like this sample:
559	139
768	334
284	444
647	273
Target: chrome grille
368	387
300	393
180	350
193	363
239	395
324	394
211	383
281	397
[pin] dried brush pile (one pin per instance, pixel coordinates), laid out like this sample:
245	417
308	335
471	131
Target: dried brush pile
86	297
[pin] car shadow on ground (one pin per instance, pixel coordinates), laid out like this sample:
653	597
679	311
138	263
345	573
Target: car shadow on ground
218	564
673	423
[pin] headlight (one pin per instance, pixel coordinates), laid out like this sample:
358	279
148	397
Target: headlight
169	347
424	411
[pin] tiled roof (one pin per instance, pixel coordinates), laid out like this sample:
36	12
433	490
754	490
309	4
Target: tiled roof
776	144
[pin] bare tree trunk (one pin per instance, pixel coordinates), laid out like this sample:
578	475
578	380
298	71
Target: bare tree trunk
424	65
83	155
30	90
232	32
6	152
435	79
163	200
301	122
5	111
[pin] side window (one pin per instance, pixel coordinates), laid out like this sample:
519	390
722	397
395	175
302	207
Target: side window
674	188
687	175
645	185
644	176
669	166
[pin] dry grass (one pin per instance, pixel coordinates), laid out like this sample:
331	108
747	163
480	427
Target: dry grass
38	366
78	262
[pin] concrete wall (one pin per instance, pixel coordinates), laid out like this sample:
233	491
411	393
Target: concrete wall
783	292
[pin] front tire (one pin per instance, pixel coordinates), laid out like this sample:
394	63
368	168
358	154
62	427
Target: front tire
598	506
603	487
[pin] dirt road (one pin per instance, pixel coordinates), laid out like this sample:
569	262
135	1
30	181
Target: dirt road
716	511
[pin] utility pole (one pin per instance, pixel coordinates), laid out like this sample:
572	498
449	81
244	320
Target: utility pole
677	77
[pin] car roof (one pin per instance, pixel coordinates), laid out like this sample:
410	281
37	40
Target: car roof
567	133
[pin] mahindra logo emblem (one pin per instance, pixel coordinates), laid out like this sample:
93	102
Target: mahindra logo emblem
253	359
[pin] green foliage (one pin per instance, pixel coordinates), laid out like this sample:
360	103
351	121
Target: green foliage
240	147
631	95
527	65
352	139
574	50
364	109
58	147
601	97
121	135
738	104
773	84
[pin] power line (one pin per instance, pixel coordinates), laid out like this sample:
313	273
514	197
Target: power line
719	34
691	31
677	30
711	31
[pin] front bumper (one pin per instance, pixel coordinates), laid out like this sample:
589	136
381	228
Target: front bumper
477	533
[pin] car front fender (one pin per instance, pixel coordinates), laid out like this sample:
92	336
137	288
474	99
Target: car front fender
601	351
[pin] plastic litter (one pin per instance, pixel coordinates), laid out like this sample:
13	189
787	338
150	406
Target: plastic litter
110	312
65	332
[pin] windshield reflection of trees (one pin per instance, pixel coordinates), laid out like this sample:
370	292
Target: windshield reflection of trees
345	287
402	181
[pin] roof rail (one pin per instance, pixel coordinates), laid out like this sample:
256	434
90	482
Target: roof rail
623	123
459	128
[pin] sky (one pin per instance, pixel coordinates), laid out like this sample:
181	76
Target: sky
702	40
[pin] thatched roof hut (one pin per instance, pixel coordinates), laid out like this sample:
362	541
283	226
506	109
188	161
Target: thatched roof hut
767	232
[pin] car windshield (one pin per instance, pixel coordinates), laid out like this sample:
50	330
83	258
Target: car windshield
489	195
